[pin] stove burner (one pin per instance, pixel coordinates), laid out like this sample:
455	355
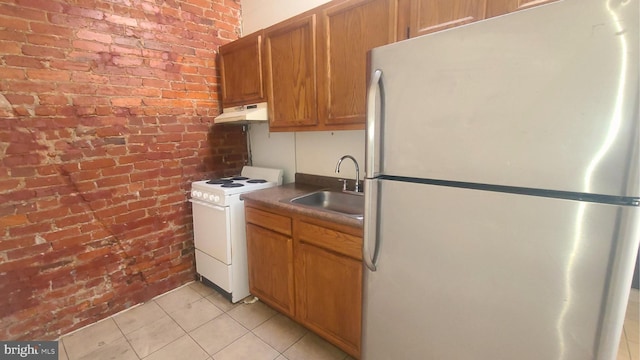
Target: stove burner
219	181
256	181
239	178
231	185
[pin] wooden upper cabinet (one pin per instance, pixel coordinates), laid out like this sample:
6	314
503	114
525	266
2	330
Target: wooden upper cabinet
500	7
312	68
428	16
241	70
347	31
290	71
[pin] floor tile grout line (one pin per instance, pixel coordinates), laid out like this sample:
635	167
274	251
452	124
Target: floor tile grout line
248	330
126	339
65	348
172	341
188	333
167	314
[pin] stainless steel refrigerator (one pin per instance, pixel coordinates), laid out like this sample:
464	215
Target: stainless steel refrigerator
502	187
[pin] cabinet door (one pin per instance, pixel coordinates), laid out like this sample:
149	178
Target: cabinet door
500	7
270	259
428	16
290	70
241	69
347	31
329	296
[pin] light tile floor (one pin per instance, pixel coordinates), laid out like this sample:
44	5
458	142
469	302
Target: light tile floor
194	322
630	341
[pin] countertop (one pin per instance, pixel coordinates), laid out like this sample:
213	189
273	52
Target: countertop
278	198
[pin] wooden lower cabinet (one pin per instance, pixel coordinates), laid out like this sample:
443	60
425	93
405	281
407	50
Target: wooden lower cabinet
329	296
308	269
270	259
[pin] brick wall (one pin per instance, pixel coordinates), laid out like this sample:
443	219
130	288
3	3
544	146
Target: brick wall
106	112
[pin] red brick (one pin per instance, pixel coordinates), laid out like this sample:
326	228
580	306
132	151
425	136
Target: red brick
48	75
125	81
122	20
112	181
29	229
48	40
97	164
13	220
16	170
16	99
88	256
117	170
90	78
73	88
88	13
70	65
45	28
127	61
110	212
46	99
126	102
90	46
22	61
149	179
47	181
42	51
61	238
73	220
93	36
27	252
48	5
7	47
11	73
21	12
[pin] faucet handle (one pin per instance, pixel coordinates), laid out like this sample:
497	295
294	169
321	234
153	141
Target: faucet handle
344	184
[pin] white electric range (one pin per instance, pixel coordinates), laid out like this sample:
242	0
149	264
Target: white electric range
219	228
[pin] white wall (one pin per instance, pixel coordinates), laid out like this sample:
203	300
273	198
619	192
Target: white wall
259	14
315	152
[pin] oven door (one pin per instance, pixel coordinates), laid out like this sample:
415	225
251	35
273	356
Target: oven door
212	230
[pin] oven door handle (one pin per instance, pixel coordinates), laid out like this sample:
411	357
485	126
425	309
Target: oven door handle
212	206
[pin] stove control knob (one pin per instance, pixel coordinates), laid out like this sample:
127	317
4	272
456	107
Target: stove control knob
205	196
197	193
215	198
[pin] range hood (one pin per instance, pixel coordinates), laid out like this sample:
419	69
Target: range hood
243	114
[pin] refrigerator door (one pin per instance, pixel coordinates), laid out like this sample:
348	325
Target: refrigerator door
467	274
545	98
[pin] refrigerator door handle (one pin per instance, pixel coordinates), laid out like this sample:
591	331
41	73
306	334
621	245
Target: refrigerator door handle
370	236
374	121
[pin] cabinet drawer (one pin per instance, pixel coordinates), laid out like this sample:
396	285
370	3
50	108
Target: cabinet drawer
269	220
330	239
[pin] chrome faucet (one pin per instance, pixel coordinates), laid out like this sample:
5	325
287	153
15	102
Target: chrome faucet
357	169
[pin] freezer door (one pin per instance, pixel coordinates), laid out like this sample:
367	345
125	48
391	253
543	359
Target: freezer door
545	98
468	274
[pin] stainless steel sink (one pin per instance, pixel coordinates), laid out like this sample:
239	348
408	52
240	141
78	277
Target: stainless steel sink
345	203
